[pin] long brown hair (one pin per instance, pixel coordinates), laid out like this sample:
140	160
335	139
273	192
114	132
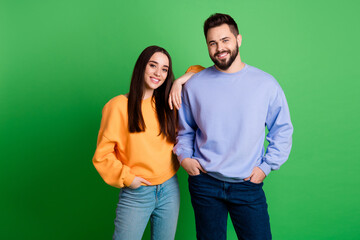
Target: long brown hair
165	116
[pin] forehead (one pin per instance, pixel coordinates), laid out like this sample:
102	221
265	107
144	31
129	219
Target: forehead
160	58
219	32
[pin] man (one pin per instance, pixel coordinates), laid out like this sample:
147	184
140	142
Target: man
225	110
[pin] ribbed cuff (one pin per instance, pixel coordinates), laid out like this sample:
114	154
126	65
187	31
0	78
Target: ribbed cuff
265	168
182	156
129	179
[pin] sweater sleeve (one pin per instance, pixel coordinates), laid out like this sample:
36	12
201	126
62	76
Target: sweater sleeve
195	68
106	158
184	147
280	133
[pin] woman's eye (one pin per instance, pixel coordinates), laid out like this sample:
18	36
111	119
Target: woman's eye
152	65
165	70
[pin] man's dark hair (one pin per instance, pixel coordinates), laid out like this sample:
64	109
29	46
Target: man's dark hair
218	19
166	117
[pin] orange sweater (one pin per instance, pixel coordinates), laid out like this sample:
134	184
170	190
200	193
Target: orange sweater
121	155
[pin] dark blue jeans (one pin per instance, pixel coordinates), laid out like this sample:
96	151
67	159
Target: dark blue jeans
213	199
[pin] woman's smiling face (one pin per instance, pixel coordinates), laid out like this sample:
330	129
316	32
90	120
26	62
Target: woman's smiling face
156	71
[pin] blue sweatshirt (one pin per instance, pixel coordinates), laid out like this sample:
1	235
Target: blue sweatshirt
222	123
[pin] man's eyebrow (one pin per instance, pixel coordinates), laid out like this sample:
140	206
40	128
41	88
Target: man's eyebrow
221	39
158	63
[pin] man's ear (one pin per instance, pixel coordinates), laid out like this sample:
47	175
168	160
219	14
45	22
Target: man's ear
239	39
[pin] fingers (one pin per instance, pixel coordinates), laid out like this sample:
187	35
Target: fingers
194	173
251	175
258	176
175	95
193	169
144	181
175	100
191	166
170	103
178	100
136	183
201	168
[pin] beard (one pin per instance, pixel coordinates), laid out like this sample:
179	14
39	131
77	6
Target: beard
224	64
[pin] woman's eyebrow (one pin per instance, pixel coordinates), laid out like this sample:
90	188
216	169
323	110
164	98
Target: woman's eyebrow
158	63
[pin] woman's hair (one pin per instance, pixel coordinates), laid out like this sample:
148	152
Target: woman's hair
166	116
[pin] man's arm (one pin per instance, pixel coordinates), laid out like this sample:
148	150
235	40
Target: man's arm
280	133
184	147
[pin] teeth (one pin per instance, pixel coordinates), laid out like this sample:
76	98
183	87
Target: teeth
155	80
222	55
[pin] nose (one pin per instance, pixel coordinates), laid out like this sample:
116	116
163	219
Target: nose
157	72
220	46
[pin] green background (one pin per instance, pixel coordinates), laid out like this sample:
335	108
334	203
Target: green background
61	61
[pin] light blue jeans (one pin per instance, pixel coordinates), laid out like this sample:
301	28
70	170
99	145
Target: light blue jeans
159	203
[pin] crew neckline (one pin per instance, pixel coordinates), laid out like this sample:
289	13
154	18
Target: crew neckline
241	72
143	100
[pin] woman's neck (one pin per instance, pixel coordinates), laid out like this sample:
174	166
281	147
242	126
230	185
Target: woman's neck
147	93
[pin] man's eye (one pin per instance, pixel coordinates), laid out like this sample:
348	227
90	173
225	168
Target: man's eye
212	44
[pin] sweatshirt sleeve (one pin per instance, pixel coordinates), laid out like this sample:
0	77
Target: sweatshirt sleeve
195	69
184	147
106	158
280	133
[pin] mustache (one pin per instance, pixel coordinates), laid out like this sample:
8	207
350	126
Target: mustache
218	53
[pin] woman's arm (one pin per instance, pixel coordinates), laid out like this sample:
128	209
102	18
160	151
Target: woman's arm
106	158
175	92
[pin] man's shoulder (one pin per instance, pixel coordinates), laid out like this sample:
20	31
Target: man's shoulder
203	73
259	73
198	77
261	76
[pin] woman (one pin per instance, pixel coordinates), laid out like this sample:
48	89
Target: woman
134	150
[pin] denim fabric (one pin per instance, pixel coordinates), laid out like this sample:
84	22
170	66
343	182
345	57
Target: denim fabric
213	199
159	203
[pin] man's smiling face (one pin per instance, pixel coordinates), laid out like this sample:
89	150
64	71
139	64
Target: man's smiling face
223	46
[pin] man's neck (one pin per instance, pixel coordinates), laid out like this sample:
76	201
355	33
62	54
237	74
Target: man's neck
236	66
